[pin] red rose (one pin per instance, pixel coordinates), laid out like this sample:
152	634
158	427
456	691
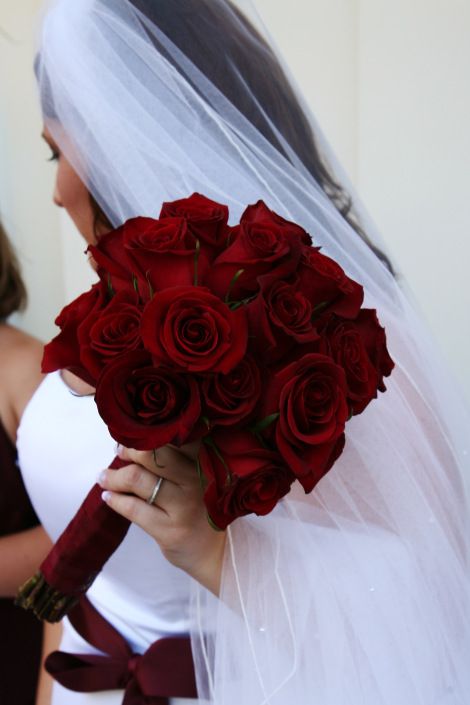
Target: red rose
263	243
259	212
191	329
375	342
310	397
230	398
326	285
342	340
279	317
163	252
114	266
110	332
63	352
144	406
206	219
242	477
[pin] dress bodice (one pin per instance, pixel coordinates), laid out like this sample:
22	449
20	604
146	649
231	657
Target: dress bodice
63	444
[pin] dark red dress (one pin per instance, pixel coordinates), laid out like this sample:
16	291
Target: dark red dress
20	631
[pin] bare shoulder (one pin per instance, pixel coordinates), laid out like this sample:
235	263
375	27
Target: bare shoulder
17	349
20	373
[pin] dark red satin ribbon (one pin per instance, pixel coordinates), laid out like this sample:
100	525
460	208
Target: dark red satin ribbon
164	671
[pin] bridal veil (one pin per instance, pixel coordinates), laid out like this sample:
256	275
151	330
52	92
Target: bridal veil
357	594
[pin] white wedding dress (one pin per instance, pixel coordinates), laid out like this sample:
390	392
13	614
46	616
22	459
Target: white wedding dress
63	445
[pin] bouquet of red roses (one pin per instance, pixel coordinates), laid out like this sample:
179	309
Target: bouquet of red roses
246	338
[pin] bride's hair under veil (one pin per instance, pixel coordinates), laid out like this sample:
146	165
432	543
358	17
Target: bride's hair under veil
359	592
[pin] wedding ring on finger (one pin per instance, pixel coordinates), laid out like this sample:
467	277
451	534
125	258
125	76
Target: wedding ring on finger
155	491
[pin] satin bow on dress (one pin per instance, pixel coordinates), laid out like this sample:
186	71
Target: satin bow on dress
164	671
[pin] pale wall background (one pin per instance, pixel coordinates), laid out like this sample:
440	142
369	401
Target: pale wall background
389	83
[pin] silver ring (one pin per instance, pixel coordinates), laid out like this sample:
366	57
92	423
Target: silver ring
155	491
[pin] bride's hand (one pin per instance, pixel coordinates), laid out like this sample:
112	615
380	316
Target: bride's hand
177	518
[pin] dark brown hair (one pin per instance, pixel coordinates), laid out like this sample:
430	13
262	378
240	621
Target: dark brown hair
220	41
228	50
12	288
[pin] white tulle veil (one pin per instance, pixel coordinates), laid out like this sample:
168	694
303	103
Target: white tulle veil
359	592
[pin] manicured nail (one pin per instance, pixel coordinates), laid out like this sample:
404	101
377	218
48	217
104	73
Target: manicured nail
102	477
119	449
105	496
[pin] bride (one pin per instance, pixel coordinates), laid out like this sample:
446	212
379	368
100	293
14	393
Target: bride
357	594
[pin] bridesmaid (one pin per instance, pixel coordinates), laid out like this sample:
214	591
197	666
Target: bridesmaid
22	542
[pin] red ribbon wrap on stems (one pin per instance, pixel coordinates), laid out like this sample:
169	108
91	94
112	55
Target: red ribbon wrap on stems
76	558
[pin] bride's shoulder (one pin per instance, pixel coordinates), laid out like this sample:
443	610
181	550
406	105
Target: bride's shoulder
20	373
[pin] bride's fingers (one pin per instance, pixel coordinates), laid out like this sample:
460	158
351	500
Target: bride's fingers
135	480
150	518
166	461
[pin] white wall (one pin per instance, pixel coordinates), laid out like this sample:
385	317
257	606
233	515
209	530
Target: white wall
390	85
389	82
25	177
414	146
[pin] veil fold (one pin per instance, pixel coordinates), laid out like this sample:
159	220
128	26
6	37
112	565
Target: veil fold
359	592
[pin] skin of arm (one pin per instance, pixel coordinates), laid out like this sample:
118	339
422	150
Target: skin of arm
20	556
52	635
20	356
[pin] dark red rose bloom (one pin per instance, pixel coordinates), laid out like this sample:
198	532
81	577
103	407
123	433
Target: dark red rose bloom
114	266
231	398
206	219
163	252
263	244
279	317
375	342
242	477
109	332
342	340
63	352
144	406
310	397
259	212
191	329
327	287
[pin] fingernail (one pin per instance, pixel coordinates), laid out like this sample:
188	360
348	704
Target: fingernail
102	477
119	449
105	496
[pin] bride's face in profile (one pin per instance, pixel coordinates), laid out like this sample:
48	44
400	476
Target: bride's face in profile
71	193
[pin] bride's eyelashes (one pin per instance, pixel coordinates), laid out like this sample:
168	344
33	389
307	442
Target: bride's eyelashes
54	156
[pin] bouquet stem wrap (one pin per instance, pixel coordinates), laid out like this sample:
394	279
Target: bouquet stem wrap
76	558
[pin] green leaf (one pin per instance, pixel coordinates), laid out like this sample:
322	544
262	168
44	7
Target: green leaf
196	261
206	421
111	291
319	308
212	524
202	478
210	442
264	423
135	283
235	278
151	291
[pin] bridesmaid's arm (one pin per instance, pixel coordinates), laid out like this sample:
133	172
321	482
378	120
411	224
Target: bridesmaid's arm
52	635
20	557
